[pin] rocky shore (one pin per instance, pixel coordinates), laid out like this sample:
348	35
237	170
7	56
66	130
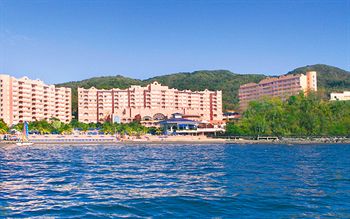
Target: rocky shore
310	140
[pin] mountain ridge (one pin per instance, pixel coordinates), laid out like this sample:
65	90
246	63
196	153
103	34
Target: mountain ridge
330	78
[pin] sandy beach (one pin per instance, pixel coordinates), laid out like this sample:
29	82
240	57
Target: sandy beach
88	140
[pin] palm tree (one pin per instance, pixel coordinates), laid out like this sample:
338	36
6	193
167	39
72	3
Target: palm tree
3	131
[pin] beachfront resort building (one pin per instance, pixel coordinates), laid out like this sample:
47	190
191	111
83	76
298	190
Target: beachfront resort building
341	96
148	104
283	86
23	99
178	125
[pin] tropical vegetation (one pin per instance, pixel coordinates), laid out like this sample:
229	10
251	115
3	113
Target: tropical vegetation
3	127
298	116
54	126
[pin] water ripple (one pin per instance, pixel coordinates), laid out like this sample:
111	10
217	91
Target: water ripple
141	181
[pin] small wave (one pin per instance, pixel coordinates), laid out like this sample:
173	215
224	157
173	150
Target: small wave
166	181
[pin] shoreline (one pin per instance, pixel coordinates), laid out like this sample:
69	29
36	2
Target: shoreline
174	139
189	141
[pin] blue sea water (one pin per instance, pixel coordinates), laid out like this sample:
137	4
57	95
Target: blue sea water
175	181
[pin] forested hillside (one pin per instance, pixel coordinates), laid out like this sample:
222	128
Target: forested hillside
329	79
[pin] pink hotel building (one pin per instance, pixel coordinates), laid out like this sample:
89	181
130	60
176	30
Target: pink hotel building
28	100
151	103
284	87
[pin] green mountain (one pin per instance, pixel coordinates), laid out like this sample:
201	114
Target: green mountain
329	78
100	83
223	80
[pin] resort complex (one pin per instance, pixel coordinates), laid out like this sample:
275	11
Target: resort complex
283	86
155	109
149	104
23	99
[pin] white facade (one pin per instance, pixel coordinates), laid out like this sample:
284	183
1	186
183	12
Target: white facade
341	96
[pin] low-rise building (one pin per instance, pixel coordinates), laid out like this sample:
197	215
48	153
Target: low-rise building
23	99
341	96
283	87
183	126
148	104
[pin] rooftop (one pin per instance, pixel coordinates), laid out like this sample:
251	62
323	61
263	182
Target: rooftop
178	121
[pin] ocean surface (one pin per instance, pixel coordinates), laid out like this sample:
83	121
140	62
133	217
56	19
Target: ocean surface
175	181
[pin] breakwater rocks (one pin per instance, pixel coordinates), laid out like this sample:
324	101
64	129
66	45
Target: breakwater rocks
288	140
312	140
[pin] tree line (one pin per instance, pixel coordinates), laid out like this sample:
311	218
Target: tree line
55	126
297	116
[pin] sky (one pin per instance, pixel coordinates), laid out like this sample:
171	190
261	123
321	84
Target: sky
68	40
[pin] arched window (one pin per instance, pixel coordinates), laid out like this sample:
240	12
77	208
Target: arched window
159	116
147	118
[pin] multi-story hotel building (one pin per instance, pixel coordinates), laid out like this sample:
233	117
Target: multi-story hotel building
28	100
151	103
284	87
